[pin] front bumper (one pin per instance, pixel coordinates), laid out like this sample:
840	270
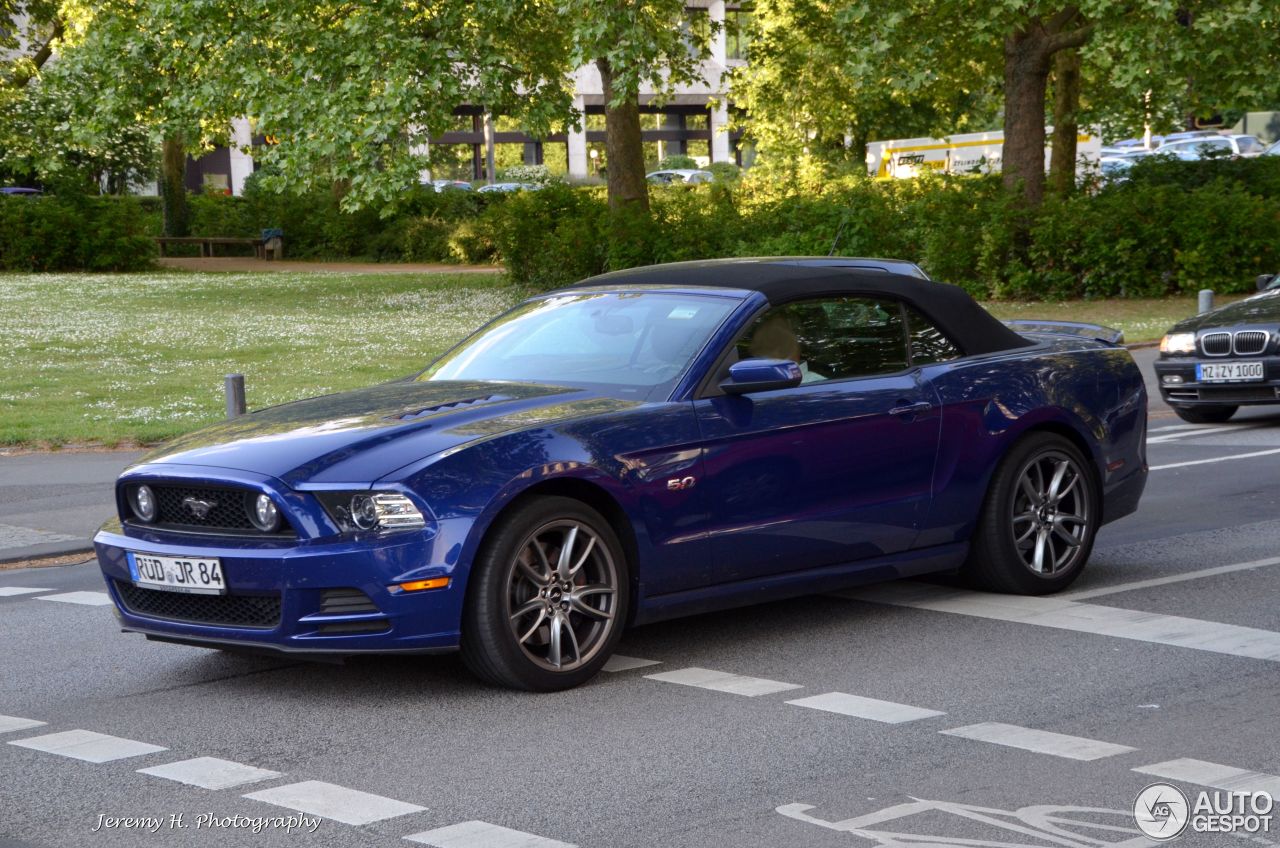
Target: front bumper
299	596
1191	392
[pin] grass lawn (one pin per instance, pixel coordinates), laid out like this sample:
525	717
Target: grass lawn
124	358
115	358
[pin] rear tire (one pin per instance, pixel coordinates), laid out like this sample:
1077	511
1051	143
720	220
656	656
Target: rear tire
1205	414
1038	521
547	597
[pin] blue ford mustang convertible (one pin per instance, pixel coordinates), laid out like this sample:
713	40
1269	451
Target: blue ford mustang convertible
645	444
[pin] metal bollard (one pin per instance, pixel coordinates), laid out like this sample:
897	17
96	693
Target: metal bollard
233	384
1206	300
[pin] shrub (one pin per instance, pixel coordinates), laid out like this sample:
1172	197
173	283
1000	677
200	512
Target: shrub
427	240
724	172
550	237
534	174
677	161
472	242
74	233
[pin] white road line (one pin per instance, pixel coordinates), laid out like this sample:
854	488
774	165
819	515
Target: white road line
1218	776
1164	581
1155	440
9	724
1083	618
89	599
88	746
1173	427
10	591
1215	459
859	707
478	834
338	803
210	773
617	662
721	681
1039	741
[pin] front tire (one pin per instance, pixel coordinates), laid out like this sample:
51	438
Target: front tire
547	597
1205	414
1038	521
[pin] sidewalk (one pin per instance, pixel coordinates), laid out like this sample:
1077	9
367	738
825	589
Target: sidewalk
249	264
51	504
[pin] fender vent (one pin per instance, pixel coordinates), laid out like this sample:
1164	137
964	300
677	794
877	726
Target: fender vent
415	414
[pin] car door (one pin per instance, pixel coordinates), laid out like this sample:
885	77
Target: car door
836	469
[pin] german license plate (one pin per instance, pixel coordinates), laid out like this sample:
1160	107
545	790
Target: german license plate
194	575
1218	372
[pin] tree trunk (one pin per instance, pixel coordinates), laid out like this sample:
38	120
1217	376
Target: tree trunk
624	154
1066	127
1026	76
173	187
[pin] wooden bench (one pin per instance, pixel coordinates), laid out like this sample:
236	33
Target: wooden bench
207	244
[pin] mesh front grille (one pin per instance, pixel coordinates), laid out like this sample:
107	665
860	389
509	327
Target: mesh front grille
1216	344
1251	341
206	507
260	611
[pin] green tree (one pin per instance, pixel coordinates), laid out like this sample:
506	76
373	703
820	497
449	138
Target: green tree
1140	60
633	44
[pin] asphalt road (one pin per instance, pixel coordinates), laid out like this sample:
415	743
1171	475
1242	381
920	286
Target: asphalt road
1161	662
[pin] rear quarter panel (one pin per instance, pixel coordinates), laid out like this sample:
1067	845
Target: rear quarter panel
1091	390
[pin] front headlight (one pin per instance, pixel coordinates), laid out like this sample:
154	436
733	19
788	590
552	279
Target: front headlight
372	510
1178	343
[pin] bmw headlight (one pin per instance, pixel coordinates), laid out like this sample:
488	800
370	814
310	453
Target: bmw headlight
372	510
1178	343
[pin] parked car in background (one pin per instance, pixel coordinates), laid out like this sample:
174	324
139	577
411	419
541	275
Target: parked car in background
450	185
1212	364
508	187
680	175
1273	150
21	191
1193	149
649	443
1115	168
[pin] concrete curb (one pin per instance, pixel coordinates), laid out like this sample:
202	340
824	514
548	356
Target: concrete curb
52	549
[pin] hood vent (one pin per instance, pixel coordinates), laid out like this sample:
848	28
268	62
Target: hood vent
414	414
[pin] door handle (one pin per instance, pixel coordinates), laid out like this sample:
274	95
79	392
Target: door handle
911	409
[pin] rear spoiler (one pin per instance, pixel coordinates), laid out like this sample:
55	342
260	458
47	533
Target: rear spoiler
1069	328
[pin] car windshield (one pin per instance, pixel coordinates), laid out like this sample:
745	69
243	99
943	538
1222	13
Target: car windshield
633	344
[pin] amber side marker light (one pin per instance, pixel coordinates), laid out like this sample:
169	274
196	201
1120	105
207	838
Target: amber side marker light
419	585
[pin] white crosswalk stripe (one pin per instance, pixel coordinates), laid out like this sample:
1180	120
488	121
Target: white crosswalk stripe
89	599
1064	614
869	708
478	834
11	591
338	803
721	681
88	746
1039	741
9	724
210	773
1214	775
617	662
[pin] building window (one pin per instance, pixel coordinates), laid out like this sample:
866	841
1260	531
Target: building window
696	28
737	31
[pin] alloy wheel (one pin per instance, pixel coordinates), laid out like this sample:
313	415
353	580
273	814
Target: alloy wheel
562	595
1050	513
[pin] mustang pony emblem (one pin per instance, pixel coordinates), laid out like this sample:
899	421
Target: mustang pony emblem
199	508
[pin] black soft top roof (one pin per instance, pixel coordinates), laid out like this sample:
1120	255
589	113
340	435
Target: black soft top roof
785	279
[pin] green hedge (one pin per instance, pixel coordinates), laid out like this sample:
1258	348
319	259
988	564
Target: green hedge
1173	227
74	233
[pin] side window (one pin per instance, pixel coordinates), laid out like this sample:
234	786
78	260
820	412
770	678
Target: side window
928	344
831	338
